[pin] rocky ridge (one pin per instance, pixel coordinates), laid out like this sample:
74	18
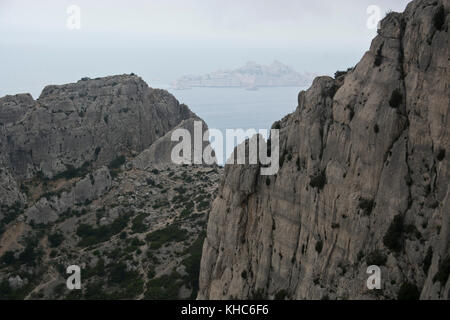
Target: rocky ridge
85	123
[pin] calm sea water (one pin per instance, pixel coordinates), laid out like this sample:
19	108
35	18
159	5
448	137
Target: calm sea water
236	108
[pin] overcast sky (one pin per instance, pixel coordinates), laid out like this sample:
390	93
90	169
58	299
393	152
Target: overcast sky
163	39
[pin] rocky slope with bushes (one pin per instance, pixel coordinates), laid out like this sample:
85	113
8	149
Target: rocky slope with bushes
78	187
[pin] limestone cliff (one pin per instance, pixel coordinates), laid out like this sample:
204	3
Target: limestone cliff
86	179
364	180
88	122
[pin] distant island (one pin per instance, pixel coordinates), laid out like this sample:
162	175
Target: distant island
251	76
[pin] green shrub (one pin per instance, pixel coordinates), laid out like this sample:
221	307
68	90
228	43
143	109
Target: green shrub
180	190
192	263
30	256
338	73
10	212
360	255
166	287
408	291
180	199
98	270
151	273
8	258
51	194
185	213
166	235
55	239
130	282
117	162
58	290
200	198
161	203
118	274
136	242
94	291
74	295
123	235
138	225
7	293
152	258
91	236
203	205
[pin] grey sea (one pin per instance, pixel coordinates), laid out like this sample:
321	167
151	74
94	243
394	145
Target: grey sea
237	108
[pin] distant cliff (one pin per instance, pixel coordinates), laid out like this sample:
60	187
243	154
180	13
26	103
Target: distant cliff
250	76
91	121
86	179
364	180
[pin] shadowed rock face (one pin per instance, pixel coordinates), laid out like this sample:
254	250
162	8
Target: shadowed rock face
364	179
91	121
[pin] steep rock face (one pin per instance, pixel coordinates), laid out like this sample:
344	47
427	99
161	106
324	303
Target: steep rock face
86	179
9	189
364	180
12	108
51	205
91	121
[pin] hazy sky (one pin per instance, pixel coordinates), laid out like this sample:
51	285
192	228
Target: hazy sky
163	39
